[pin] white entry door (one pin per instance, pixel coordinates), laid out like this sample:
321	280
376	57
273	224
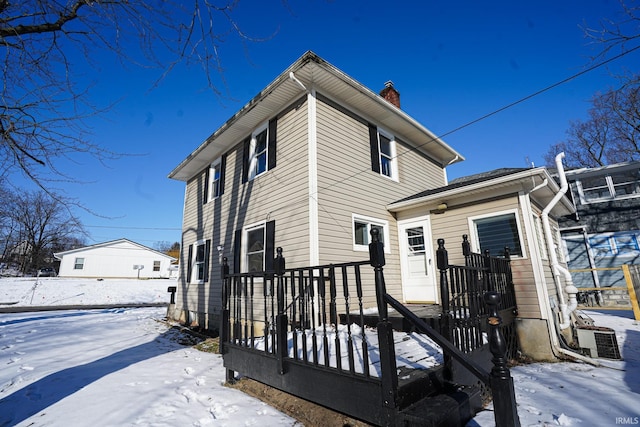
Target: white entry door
416	259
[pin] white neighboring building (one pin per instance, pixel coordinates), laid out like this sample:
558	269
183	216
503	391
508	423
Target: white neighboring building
119	258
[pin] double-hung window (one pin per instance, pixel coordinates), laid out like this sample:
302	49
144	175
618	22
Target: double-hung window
78	264
259	151
156	265
254	254
254	248
258	156
497	231
362	226
383	152
215	175
214	179
198	265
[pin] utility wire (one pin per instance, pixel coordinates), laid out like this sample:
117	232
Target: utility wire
526	98
474	121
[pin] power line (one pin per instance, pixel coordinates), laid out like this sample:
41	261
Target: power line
526	98
479	119
134	228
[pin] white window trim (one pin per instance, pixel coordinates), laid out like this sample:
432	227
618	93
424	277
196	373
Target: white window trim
473	231
370	220
394	155
540	238
75	263
217	163
252	151
244	265
194	255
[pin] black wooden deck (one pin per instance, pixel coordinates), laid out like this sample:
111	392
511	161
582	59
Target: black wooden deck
430	313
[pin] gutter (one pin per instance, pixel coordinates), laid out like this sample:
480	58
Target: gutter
557	344
559	270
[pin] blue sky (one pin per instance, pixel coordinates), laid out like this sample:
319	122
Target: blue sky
452	62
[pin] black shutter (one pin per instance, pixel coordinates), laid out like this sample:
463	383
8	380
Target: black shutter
271	150
245	159
373	142
237	248
205	196
269	246
223	167
207	253
189	263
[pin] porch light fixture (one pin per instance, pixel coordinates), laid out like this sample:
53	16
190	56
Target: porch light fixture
440	209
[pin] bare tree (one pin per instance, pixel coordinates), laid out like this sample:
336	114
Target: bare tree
611	134
171	249
618	31
43	222
43	100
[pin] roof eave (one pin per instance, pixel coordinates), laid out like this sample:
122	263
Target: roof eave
196	161
486	186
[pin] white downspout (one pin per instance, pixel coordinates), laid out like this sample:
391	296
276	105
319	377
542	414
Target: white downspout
559	270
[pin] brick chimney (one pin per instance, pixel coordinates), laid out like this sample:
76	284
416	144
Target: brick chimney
391	94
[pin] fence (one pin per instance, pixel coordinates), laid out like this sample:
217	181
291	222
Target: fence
623	297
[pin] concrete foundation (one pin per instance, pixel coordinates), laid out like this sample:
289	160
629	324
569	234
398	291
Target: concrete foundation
534	339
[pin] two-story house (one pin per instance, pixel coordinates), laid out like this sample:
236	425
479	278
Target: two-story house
316	160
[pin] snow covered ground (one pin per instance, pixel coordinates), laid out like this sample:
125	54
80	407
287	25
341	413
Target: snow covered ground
125	367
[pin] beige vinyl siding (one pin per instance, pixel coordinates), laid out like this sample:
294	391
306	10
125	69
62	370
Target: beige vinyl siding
279	194
348	186
452	224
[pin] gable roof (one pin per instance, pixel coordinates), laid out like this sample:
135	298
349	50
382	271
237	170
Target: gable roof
59	255
314	72
498	182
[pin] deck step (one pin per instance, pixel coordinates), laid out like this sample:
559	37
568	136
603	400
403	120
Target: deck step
451	409
416	384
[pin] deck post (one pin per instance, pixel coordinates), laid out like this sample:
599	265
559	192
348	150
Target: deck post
386	346
504	397
377	261
282	324
225	318
442	261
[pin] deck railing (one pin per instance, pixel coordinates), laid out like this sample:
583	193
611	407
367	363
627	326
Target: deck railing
292	317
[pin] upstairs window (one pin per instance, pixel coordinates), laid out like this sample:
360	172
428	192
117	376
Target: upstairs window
383	153
214	179
258	157
259	151
618	185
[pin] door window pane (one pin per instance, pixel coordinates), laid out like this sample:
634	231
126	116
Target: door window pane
415	241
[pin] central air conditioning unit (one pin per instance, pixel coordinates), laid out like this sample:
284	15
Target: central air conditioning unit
597	341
